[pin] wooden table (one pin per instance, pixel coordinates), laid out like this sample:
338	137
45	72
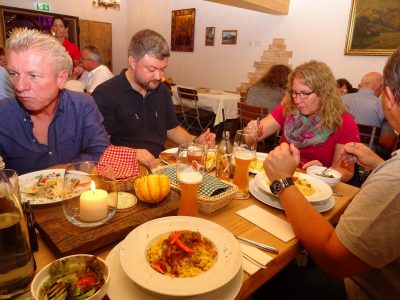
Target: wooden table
227	218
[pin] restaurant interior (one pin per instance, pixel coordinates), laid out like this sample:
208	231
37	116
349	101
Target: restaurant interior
230	46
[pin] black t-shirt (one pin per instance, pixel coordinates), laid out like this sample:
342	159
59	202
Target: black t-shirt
133	120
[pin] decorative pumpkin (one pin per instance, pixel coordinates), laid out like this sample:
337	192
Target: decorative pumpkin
152	188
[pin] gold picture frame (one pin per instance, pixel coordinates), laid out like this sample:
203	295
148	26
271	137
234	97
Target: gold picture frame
374	27
182	30
210	36
229	37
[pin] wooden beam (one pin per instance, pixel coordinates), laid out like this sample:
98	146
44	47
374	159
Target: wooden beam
275	7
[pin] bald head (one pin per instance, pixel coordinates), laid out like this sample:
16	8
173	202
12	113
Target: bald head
373	81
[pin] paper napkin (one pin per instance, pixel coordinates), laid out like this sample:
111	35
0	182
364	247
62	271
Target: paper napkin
256	254
267	221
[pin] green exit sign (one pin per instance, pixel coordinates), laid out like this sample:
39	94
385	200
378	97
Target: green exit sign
42	6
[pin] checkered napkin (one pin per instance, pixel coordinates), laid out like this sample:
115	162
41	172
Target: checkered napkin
122	160
211	186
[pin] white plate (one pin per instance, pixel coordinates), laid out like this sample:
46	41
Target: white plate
265	198
260	158
322	190
136	267
122	288
29	179
210	155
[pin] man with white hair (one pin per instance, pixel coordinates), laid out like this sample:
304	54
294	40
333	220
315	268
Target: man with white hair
92	71
44	124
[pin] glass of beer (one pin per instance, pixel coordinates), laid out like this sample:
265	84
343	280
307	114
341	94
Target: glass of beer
190	165
244	151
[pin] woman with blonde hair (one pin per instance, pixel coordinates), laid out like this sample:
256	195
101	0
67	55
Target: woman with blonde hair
313	117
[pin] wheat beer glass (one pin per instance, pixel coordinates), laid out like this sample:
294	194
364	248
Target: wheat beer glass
244	151
190	165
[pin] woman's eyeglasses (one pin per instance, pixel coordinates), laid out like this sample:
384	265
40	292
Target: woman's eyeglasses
303	95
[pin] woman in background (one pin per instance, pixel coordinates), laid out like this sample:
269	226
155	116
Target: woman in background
59	28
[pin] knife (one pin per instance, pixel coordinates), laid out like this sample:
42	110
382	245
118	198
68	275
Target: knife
258	245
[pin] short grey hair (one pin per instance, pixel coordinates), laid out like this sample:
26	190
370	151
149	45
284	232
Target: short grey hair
149	42
24	39
94	54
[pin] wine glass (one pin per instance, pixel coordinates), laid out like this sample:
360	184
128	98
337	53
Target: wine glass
244	151
90	194
190	165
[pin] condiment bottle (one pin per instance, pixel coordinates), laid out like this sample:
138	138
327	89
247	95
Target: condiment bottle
224	157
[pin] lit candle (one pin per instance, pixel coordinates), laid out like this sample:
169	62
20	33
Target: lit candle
93	204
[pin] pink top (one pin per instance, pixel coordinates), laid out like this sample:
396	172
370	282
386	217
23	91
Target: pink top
346	133
72	50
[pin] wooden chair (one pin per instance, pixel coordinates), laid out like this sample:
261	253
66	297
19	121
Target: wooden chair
195	119
177	107
249	112
369	135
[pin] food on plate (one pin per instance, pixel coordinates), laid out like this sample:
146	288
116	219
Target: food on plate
170	158
302	184
152	188
257	164
75	278
182	254
326	175
48	186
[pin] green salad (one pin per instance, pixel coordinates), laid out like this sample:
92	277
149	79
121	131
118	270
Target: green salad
74	278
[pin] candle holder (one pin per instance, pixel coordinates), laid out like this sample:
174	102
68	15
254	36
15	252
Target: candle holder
90	194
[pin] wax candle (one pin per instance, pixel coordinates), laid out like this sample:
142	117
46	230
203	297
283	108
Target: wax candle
93	204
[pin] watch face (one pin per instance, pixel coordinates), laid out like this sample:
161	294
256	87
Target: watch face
276	187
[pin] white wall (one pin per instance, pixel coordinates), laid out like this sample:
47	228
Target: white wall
312	30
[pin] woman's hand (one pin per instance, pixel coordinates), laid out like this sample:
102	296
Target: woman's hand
314	162
207	138
361	154
256	126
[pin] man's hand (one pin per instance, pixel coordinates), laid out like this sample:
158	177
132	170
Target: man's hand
77	72
146	158
361	154
207	138
282	161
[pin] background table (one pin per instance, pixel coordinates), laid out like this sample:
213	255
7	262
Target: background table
214	101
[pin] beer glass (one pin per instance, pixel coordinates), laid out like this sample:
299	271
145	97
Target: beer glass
244	151
190	165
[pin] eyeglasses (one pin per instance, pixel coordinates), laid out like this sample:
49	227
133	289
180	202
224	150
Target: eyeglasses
303	95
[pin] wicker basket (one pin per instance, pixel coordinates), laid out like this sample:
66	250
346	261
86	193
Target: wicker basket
126	184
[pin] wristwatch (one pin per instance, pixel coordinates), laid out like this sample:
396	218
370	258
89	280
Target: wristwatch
279	185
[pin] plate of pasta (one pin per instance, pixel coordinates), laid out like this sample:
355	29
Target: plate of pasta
210	245
313	189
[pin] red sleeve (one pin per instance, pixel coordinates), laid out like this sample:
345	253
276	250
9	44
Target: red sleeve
75	53
277	114
348	132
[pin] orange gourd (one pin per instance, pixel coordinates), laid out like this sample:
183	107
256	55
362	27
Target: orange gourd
152	188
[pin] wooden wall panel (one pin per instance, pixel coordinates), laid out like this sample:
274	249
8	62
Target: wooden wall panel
98	34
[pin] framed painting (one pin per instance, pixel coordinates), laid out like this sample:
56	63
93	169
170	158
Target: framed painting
229	37
374	27
182	30
210	36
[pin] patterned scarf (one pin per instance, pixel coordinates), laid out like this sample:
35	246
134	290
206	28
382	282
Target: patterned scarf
305	131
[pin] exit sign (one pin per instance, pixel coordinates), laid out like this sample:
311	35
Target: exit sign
42	6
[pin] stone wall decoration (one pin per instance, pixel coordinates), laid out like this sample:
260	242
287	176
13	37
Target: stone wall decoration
182	30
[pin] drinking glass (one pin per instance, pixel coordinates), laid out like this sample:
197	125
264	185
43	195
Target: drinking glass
244	151
17	264
190	165
90	194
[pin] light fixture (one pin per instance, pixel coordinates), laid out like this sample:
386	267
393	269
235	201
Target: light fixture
114	4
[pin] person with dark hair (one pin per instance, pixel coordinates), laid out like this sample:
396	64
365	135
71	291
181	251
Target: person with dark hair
269	91
345	86
137	108
364	247
59	29
91	71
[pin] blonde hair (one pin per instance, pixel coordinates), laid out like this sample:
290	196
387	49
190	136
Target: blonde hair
24	39
319	78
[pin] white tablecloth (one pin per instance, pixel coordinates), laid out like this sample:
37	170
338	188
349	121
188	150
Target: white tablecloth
214	101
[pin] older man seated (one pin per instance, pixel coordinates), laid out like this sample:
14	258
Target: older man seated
44	124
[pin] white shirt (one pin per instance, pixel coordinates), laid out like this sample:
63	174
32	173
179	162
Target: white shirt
93	78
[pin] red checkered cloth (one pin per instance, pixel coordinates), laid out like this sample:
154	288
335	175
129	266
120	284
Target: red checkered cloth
122	160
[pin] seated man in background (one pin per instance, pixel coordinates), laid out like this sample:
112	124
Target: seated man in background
137	108
6	88
364	248
45	124
91	71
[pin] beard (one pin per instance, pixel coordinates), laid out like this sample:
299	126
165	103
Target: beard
148	85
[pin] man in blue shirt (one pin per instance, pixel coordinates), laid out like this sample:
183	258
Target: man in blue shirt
44	124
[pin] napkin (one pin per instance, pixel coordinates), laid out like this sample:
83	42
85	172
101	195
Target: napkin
267	221
256	254
210	186
122	160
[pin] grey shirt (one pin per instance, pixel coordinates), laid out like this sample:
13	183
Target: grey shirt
6	87
263	95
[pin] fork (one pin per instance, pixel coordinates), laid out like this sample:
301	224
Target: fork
252	260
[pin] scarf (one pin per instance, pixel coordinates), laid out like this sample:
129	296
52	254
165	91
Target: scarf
305	131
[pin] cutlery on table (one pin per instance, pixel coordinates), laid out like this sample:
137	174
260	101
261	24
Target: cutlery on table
258	245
